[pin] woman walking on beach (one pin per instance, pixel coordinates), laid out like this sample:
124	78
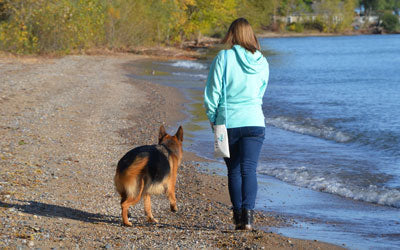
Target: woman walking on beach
244	71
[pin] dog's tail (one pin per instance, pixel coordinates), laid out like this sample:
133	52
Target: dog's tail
127	183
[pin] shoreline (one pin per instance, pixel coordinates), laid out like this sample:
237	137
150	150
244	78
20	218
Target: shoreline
271	34
215	189
65	123
189	50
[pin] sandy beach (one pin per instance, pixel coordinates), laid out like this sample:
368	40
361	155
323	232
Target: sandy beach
64	124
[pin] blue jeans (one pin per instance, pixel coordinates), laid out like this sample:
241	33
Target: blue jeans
244	146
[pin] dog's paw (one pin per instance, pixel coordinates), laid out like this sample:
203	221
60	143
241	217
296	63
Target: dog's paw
128	224
152	220
174	208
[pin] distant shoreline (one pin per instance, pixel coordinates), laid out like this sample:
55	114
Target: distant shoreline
189	50
270	34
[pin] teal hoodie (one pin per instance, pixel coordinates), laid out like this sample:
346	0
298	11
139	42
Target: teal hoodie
246	80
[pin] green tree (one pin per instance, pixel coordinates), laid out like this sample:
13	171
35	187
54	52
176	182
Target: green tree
288	7
396	6
375	6
260	13
214	16
192	18
336	14
390	22
3	11
131	23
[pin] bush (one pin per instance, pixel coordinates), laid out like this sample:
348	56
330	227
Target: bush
16	37
3	14
277	26
296	27
390	22
127	24
37	26
315	25
55	25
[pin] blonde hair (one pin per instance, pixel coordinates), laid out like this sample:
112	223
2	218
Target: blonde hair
241	33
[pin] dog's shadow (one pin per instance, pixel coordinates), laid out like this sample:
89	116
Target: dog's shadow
57	211
183	227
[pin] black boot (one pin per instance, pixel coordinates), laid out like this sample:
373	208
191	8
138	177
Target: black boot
237	218
247	219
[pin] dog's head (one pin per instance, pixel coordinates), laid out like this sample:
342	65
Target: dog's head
173	143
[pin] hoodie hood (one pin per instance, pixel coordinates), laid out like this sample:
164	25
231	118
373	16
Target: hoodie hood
250	63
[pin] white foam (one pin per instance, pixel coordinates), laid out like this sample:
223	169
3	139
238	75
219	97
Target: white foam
189	65
308	127
305	178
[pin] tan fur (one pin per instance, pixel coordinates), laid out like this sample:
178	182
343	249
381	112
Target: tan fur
158	188
134	182
127	184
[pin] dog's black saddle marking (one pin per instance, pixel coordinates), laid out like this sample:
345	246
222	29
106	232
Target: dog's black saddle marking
157	166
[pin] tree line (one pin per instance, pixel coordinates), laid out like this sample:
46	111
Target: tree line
40	26
371	7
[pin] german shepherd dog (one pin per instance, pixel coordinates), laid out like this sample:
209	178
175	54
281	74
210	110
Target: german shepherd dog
148	170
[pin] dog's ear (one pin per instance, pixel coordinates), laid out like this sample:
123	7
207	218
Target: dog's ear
179	133
162	133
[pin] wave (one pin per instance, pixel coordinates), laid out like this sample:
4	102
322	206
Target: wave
334	185
309	126
189	65
388	141
196	76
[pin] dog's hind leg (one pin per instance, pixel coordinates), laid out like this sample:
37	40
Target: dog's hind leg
147	209
126	202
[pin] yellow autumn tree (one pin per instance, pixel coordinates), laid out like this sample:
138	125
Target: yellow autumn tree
36	26
51	25
192	18
336	14
259	13
15	29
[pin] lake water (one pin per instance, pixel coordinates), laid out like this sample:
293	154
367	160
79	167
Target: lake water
331	157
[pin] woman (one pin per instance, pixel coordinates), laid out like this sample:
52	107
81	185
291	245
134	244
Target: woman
244	71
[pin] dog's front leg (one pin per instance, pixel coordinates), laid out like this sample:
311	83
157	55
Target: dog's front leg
171	193
172	201
147	209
